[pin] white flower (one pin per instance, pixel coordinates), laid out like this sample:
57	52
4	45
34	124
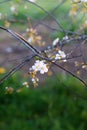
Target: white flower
37	66
55	41
60	55
86	22
25	84
12	8
34	80
84	66
44	69
30	40
40	66
27	30
65	38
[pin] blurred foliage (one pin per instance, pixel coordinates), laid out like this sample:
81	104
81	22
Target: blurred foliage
71	16
53	106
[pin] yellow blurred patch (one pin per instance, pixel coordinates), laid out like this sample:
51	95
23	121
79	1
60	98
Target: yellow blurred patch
50	73
7	24
2	70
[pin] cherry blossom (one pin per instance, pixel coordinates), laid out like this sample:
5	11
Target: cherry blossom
40	66
55	41
60	55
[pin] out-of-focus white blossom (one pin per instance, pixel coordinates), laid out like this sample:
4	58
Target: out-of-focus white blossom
35	79
65	38
25	84
55	41
44	69
0	15
83	0
60	55
84	66
40	66
86	22
26	7
30	39
27	30
12	8
32	0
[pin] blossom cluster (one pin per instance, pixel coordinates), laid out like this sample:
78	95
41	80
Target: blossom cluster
25	84
33	37
40	66
60	56
81	64
55	41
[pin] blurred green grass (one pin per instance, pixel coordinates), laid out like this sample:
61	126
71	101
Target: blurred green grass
52	106
36	14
